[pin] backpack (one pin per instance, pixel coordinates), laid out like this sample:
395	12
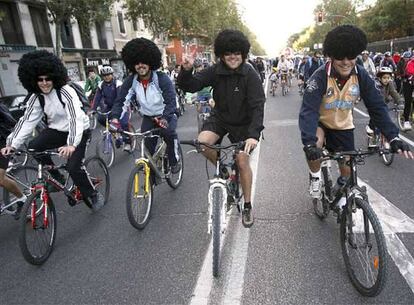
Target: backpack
409	69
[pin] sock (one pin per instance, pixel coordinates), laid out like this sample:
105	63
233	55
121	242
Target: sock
247	205
316	175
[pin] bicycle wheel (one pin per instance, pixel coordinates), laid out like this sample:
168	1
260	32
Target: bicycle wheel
37	236
321	206
283	89
23	176
200	121
387	159
216	220
98	175
363	248
92	121
174	180
105	149
139	197
131	128
399	116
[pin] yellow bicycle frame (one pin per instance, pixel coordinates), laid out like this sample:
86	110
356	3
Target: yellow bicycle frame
147	171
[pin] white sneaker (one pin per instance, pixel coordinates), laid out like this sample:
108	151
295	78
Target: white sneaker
341	203
127	147
369	131
315	187
407	125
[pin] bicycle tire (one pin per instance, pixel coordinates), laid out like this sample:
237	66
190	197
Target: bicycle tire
387	159
200	122
321	206
106	151
37	255
400	119
98	174
216	221
92	121
350	218
174	180
23	176
136	177
131	128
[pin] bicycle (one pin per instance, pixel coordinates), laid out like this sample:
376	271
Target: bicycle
180	101
224	193
283	81
399	116
110	139
203	112
38	223
149	170
378	142
360	228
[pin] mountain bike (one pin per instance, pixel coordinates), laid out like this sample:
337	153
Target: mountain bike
362	239
149	170
224	193
38	216
111	139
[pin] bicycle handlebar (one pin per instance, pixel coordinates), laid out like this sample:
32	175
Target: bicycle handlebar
141	134
197	144
354	153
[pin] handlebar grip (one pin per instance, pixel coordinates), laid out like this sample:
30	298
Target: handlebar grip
189	142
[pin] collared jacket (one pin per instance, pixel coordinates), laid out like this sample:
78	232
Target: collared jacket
157	100
107	92
238	94
316	90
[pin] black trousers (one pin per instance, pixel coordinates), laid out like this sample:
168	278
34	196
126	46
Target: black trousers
50	139
408	88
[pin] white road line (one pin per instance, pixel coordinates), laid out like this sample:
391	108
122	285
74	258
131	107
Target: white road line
394	221
235	281
401	136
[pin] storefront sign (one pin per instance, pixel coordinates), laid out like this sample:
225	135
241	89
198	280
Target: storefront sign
95	62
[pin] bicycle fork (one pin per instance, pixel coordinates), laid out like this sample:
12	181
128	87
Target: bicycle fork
147	171
217	183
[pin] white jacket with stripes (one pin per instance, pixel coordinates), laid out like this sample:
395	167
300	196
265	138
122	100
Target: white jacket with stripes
70	118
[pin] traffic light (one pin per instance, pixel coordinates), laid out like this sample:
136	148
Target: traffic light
319	17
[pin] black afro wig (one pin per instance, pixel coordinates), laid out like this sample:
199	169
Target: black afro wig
344	41
141	50
37	63
231	41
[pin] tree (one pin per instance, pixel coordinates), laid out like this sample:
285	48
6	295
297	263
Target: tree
86	12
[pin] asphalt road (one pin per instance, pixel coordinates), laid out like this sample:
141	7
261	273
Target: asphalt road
288	257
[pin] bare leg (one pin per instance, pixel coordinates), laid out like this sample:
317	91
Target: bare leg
9	184
246	175
211	138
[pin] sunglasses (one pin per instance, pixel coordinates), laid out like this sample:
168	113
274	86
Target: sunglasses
44	79
232	53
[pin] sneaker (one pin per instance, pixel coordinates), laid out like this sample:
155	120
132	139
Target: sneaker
127	148
315	187
407	126
247	217
97	201
387	145
175	169
19	205
369	131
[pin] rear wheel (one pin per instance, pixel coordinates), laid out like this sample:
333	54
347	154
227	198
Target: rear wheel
105	149
363	248
217	201
98	175
174	179
139	197
38	233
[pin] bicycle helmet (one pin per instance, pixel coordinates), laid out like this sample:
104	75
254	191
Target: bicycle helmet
344	41
365	52
387	54
106	70
384	70
407	54
141	50
231	41
42	62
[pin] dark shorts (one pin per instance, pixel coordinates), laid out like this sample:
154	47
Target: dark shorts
338	140
235	133
4	162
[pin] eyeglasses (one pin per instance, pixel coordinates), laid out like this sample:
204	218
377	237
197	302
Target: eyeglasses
237	53
44	79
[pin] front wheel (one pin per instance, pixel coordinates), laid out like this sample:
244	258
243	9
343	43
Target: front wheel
387	159
139	197
174	179
363	247
400	119
98	175
216	221
23	176
105	149
38	229
321	206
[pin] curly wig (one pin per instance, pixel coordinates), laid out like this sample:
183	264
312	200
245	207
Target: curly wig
37	63
231	41
141	50
344	41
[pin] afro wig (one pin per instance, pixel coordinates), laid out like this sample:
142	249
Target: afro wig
141	50
231	41
37	63
344	41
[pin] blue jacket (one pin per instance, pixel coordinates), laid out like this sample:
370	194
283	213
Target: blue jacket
165	86
108	92
372	97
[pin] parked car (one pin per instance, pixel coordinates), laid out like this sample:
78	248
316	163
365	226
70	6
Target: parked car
15	103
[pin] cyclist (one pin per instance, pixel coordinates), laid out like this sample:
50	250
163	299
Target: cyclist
92	83
387	61
326	115
407	87
153	91
239	103
315	62
105	97
7	123
368	63
385	84
44	76
273	79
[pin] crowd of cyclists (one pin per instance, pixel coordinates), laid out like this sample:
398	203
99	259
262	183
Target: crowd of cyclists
231	89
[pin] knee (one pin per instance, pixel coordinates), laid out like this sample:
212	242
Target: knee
243	163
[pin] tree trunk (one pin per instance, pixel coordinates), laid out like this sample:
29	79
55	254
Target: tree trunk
58	40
